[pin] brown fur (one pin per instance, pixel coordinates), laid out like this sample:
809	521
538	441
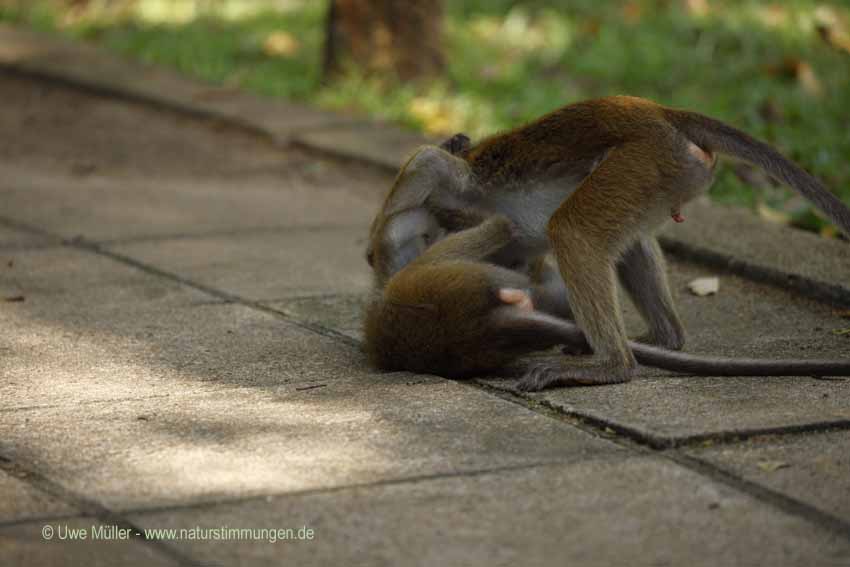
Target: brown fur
618	168
446	313
435	315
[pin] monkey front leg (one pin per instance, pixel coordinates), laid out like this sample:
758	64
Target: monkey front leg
473	244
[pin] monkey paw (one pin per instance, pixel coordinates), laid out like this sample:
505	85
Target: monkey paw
676	342
542	376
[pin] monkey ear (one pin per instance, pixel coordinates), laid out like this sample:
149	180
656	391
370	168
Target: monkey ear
409	193
416	180
429	169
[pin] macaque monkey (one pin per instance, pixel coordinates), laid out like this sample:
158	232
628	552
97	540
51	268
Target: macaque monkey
452	313
591	182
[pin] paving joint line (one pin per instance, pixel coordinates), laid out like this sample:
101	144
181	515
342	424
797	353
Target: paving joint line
239	500
126	95
15	409
82	244
30	229
90	508
786	503
94	247
627	437
621	436
247	231
797	284
655	442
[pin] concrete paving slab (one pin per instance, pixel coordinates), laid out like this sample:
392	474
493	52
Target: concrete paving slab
50	56
282	123
13	239
734	237
812	468
669	411
266	266
84	165
342	313
342	431
371	142
91	329
107	208
26	544
743	319
746	318
638	511
20	500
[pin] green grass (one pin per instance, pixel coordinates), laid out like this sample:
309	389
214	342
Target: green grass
511	61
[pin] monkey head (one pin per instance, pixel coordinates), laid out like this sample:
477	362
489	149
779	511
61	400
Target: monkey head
422	207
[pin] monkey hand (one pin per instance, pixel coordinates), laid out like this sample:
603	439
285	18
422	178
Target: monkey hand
547	375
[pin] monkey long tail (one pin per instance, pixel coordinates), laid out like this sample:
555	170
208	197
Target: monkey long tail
727	366
542	330
714	135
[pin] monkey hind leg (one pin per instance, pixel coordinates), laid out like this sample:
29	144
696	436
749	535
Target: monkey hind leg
595	305
588	233
643	276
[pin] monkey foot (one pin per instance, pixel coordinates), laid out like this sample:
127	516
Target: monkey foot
542	376
672	342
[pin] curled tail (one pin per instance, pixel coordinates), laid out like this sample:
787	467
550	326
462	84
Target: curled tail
719	137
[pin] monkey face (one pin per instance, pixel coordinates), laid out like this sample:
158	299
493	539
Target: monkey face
398	239
410	219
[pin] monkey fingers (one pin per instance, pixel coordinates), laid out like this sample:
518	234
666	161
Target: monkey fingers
541	376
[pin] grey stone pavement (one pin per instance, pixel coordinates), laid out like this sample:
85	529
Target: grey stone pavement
181	279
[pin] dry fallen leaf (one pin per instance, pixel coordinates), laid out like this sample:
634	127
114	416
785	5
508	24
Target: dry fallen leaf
632	12
771	466
808	79
281	44
770	214
832	28
699	8
704	286
800	71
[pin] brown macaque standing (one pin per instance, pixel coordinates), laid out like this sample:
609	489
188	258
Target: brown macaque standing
591	182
